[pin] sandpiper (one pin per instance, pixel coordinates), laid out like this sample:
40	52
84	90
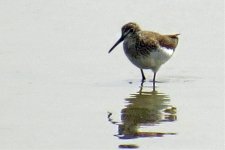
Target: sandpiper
146	49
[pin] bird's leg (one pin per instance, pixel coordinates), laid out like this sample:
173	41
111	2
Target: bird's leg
154	81
143	76
141	87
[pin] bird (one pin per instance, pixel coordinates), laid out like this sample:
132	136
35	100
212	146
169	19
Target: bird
146	49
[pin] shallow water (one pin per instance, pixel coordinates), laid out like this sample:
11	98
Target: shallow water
144	110
60	89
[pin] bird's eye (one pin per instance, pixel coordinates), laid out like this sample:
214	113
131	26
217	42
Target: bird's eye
132	30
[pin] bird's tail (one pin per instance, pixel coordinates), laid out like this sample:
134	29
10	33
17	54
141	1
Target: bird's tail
174	37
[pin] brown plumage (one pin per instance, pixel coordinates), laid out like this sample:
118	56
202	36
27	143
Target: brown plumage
152	40
146	49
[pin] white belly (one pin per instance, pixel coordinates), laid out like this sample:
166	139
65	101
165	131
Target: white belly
152	61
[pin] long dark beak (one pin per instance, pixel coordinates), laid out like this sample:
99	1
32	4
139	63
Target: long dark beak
118	42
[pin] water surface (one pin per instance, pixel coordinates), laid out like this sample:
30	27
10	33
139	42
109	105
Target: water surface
60	89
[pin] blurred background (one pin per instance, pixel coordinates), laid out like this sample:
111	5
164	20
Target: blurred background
60	89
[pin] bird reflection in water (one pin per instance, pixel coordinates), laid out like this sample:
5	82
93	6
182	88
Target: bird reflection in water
144	109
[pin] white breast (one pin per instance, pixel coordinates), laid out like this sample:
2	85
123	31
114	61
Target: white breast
152	61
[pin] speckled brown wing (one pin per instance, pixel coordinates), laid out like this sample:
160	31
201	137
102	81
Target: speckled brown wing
169	41
147	42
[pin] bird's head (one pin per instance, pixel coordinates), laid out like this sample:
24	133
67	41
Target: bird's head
127	30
